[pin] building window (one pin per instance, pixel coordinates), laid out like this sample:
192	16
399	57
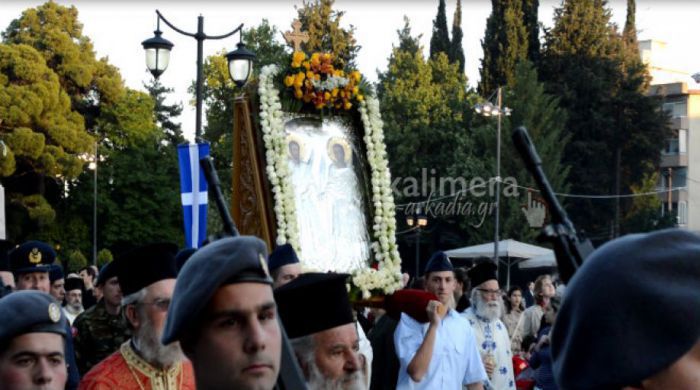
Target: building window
682	213
682	141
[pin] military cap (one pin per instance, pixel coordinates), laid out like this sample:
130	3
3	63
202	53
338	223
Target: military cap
32	256
182	256
330	307
629	312
55	272
439	262
107	271
30	311
482	272
5	248
74	284
281	256
228	260
145	265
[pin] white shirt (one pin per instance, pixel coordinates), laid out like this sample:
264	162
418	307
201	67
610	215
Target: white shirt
455	361
492	338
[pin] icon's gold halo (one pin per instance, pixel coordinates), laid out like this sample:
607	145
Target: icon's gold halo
344	144
299	141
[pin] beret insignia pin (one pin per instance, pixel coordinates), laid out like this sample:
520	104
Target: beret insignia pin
263	264
35	256
54	312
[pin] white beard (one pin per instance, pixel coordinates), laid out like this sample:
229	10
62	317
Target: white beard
489	310
147	342
353	381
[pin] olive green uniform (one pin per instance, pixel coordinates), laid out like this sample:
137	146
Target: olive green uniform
97	335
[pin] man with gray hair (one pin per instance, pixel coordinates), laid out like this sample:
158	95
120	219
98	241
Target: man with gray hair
323	334
491	334
147	279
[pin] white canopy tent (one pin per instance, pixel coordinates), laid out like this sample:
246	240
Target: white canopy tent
509	252
548	260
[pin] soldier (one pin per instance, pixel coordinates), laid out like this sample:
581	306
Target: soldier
30	264
100	330
58	282
32	352
224	315
284	265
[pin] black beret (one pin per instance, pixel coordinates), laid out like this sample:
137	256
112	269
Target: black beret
228	260
630	311
74	284
439	262
32	256
281	256
314	302
182	256
482	272
108	271
145	265
30	311
5	248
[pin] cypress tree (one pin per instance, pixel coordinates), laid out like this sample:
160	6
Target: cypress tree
630	32
456	54
505	44
530	10
440	40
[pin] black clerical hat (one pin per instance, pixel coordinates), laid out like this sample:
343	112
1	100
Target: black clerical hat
146	265
74	284
629	312
314	302
281	256
482	272
439	262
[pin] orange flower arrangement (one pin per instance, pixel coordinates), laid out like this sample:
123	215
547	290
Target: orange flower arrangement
315	80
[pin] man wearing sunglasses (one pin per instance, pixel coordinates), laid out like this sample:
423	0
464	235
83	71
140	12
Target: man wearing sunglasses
147	279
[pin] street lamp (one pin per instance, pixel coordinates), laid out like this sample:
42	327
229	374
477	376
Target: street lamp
488	109
420	221
240	61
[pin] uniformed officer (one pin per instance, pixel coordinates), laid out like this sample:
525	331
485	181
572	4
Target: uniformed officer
100	330
224	315
32	337
284	265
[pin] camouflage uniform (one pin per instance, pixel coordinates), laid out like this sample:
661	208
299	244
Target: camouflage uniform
97	335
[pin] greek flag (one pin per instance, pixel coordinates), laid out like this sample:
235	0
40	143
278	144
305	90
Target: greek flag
193	189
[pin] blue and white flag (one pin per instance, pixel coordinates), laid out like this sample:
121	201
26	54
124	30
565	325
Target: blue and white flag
193	189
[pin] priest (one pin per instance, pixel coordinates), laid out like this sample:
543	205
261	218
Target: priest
324	335
491	334
147	279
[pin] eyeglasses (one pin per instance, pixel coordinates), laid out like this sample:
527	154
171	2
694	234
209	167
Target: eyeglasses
489	292
160	304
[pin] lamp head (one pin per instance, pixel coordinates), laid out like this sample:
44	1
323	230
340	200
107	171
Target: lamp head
240	64
157	53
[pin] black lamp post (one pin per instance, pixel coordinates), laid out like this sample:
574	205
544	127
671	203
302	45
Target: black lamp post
420	221
240	61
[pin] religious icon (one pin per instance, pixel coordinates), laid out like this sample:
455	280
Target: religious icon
339	152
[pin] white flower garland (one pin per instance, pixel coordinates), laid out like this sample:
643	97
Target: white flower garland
387	278
276	159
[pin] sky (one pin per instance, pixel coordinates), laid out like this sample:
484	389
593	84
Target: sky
117	29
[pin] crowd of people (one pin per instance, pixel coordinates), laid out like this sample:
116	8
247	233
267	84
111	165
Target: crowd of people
220	317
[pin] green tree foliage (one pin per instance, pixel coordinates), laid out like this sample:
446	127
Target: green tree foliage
540	113
440	40
166	113
322	23
76	260
104	256
55	31
612	123
505	44
532	26
456	53
630	31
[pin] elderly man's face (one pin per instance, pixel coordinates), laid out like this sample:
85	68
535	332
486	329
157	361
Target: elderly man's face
34	281
442	284
337	357
74	298
286	274
33	361
239	343
58	290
